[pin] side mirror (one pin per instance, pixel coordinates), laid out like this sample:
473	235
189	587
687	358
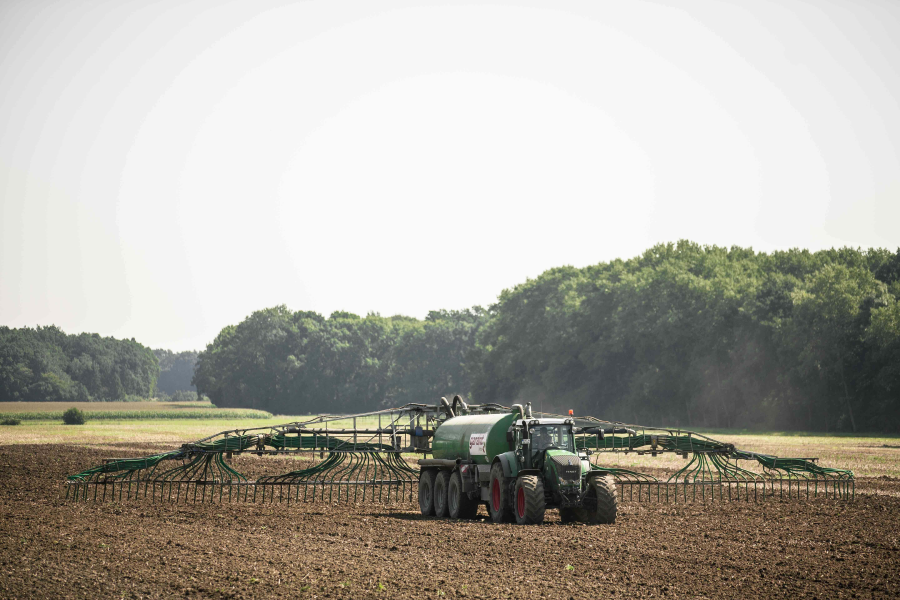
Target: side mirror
511	440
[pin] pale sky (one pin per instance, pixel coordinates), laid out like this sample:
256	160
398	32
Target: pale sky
166	168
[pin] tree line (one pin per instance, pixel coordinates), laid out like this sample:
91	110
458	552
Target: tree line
683	335
301	362
45	364
699	336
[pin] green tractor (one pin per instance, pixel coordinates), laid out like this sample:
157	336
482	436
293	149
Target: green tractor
517	465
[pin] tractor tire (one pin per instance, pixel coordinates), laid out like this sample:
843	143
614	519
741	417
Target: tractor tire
499	506
441	483
530	503
600	502
426	491
458	502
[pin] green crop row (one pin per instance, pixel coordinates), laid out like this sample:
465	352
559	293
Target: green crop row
144	415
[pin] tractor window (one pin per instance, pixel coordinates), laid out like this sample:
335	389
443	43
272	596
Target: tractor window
551	436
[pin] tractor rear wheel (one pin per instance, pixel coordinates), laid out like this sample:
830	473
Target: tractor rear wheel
499	505
600	503
426	491
458	502
440	494
530	503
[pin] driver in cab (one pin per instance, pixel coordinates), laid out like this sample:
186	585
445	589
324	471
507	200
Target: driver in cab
542	440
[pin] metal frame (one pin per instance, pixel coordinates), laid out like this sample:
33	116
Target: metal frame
360	458
713	472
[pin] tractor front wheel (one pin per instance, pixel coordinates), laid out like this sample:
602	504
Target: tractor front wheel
530	503
600	502
440	494
426	491
499	505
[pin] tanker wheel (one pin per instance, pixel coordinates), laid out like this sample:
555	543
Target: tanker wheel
441	483
499	505
530	503
458	502
426	491
600	502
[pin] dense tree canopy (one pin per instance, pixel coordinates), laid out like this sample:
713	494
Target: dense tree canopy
682	335
299	362
706	337
45	364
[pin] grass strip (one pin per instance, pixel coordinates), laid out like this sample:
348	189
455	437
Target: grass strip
144	415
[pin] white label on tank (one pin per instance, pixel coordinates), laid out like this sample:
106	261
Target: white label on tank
476	443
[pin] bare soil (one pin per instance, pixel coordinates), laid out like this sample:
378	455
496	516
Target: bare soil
53	549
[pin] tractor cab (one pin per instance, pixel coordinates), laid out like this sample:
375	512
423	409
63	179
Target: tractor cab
547	436
548	447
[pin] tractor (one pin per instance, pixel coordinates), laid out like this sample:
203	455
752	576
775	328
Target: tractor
518	465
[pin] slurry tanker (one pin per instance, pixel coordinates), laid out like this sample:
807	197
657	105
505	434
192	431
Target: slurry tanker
518	465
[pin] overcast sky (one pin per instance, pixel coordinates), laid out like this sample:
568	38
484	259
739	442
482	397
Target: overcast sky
166	168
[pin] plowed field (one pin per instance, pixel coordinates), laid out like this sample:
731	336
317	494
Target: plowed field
52	549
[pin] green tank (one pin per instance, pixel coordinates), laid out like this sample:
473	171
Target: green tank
473	437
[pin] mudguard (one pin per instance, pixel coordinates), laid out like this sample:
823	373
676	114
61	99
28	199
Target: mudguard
595	473
508	462
529	472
